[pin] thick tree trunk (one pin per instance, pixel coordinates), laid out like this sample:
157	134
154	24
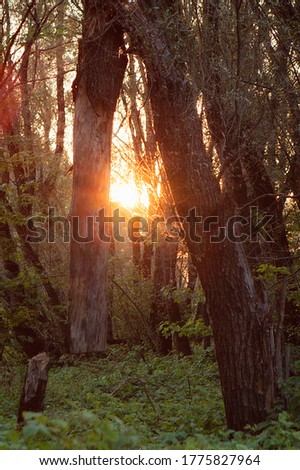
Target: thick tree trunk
89	260
245	174
238	309
96	89
237	304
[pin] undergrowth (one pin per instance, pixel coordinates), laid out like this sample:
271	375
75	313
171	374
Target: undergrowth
132	399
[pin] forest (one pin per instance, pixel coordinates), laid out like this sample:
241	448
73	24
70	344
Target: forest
149	224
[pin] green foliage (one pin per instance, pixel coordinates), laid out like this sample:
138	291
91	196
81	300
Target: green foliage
79	430
188	301
132	399
269	272
277	433
184	295
190	328
273	276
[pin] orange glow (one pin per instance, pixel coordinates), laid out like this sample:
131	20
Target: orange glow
128	195
9	106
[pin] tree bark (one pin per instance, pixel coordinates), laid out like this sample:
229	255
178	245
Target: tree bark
237	303
34	389
96	89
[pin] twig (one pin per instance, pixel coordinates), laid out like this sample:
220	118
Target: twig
190	388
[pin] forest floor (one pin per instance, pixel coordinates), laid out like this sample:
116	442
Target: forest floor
132	399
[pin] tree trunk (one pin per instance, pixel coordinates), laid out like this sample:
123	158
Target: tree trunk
144	145
147	258
96	89
164	307
237	303
135	238
35	385
60	93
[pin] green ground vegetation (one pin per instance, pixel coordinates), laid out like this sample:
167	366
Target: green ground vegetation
132	399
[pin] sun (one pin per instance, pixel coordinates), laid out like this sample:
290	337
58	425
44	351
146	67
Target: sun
125	194
128	195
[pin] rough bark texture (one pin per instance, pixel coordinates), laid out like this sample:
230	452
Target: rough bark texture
237	304
35	385
96	89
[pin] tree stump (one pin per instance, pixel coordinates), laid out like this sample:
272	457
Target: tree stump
34	389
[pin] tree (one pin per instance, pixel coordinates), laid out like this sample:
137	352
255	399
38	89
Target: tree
221	124
165	253
237	303
101	66
25	271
